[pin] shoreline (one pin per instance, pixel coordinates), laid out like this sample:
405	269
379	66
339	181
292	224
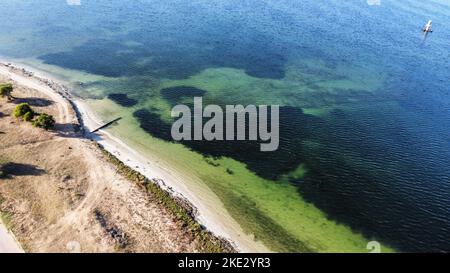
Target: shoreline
204	207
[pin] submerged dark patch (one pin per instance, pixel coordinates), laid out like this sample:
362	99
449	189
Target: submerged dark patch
165	59
152	124
102	57
122	99
175	94
294	128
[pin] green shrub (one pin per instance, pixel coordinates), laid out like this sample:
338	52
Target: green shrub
6	90
22	109
44	121
28	116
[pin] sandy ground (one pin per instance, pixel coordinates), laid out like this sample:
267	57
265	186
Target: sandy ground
62	195
211	212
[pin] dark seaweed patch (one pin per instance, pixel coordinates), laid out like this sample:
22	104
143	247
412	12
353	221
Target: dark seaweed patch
294	128
152	124
102	57
122	99
165	59
175	94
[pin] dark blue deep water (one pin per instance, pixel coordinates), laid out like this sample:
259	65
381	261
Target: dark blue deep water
382	163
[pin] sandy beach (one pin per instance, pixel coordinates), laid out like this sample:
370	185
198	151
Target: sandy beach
209	211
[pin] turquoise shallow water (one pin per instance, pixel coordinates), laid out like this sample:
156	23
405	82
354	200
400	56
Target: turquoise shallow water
364	96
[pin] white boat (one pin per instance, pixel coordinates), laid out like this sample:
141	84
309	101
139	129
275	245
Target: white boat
428	27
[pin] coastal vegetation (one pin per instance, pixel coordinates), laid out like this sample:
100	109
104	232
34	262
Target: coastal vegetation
42	120
6	90
5	217
22	109
28	116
